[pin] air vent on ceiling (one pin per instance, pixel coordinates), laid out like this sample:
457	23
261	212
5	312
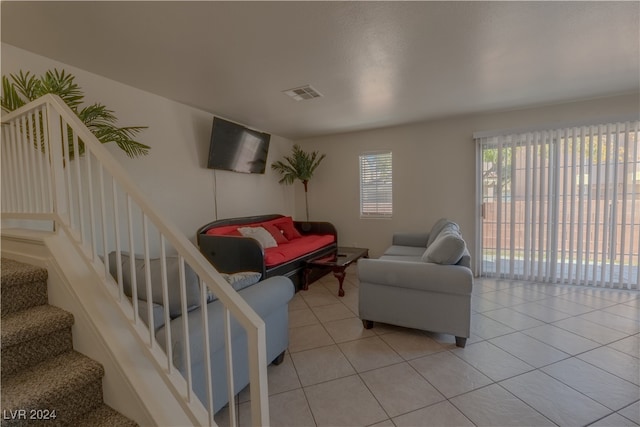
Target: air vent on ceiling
302	93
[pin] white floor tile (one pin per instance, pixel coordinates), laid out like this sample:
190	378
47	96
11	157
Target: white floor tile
624	310
532	351
411	343
503	298
565	341
399	389
587	300
308	337
565	306
442	414
614	362
283	377
289	409
347	330
369	353
488	328
450	374
492	361
593	331
537	353
480	305
631	412
629	345
494	406
302	317
327	313
513	319
321	364
603	387
297	302
527	293
541	312
318	295
613	321
344	402
614	420
555	400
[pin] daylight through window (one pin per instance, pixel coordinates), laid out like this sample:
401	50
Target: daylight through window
376	199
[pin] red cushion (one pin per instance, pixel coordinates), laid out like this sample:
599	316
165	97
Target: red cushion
275	232
296	248
289	230
219	231
285	224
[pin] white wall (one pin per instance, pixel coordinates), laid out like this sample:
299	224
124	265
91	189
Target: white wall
433	169
174	174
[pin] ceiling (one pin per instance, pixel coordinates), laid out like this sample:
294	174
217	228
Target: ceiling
375	63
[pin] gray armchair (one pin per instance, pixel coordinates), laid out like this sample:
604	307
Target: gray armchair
422	281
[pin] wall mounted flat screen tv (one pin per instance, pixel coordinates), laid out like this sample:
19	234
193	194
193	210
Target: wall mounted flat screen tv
236	148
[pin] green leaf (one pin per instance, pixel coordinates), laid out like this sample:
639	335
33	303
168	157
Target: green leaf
10	99
22	88
300	165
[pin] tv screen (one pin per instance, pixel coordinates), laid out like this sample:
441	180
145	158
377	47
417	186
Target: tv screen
235	148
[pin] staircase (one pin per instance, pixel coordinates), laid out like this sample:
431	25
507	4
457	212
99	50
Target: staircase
44	381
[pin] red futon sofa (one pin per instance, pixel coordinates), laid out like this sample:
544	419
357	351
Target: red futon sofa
230	252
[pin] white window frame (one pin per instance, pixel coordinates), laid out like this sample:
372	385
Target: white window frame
381	190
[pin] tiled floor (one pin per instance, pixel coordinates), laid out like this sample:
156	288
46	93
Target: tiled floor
538	355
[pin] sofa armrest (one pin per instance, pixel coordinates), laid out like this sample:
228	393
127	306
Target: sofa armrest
231	254
411	239
453	279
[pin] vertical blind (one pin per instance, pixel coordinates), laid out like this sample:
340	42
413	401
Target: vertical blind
376	196
562	205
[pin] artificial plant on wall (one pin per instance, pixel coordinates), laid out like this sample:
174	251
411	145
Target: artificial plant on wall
300	165
22	88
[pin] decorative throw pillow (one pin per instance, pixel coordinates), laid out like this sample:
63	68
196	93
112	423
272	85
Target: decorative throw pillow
437	228
238	281
289	230
447	249
260	234
276	233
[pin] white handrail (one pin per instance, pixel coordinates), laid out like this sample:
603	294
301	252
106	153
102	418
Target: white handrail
64	198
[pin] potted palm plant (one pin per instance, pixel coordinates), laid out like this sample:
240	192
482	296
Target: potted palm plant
300	165
22	88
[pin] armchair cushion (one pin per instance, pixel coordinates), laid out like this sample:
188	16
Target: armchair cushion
411	239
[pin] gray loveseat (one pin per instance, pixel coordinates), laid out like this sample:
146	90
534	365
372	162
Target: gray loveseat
422	281
268	298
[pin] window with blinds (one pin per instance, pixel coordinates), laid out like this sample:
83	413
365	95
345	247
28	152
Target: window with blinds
562	205
376	199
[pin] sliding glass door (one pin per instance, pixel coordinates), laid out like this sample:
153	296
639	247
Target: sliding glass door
562	205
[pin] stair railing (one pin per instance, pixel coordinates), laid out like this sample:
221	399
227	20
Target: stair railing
55	169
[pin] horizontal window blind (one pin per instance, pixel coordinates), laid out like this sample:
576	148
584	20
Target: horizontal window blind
562	205
376	194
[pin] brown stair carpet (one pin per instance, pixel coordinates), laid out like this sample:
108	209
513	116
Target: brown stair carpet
23	286
44	381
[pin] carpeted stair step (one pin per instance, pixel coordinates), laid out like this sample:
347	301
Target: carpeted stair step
31	336
69	384
23	286
104	416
